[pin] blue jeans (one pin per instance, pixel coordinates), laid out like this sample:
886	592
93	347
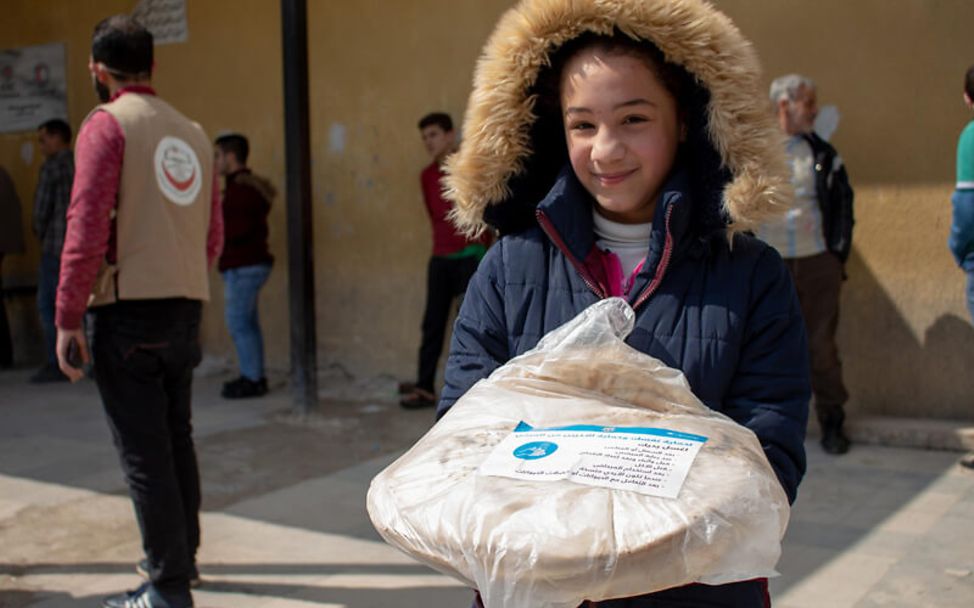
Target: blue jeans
240	289
47	278
970	292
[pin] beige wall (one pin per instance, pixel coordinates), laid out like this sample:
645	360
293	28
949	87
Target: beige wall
377	67
27	23
893	68
227	77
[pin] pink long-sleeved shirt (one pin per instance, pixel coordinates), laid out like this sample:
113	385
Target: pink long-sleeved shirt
90	238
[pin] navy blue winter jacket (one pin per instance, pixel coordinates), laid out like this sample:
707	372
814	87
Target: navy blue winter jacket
722	310
728	318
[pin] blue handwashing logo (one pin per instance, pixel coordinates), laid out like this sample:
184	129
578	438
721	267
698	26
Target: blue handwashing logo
535	450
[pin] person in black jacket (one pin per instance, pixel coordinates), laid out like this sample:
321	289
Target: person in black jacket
11	242
814	238
51	200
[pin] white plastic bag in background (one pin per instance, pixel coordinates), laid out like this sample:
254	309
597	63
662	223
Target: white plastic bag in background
554	544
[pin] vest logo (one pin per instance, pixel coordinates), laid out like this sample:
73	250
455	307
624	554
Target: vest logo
178	171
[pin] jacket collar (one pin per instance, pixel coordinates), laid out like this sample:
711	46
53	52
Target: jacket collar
230	177
568	210
62	155
140	89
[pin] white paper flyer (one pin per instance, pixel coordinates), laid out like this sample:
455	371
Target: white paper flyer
648	460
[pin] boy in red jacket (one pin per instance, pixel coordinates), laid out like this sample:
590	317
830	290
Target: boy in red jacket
453	262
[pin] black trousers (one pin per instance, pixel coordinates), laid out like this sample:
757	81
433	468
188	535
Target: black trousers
6	344
818	280
742	594
145	352
446	279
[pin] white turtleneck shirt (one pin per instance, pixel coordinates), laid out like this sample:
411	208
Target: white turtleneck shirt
629	243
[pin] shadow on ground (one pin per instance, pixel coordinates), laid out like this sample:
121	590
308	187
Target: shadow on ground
262	464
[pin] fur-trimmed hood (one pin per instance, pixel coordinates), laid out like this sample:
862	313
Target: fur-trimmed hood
508	157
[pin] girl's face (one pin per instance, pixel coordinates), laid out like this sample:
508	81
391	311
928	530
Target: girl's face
623	129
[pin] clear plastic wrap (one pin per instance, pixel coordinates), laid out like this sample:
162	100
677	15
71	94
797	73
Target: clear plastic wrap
554	544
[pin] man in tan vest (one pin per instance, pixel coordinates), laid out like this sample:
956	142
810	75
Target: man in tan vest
143	225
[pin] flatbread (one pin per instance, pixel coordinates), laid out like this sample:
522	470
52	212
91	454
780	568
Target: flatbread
555	543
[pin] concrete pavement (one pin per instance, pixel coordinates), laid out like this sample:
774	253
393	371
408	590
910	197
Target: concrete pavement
284	522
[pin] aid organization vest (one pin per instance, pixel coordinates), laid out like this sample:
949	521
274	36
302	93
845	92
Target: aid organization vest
164	203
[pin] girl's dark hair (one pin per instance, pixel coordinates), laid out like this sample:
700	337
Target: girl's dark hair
969	82
674	78
547	90
124	46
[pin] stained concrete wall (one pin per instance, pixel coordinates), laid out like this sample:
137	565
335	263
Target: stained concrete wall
226	77
28	23
892	67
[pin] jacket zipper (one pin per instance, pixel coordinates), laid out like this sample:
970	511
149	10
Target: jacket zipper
583	272
664	262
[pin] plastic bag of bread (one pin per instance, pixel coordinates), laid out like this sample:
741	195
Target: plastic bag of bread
583	470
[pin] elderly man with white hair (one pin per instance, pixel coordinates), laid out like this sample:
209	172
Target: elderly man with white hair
814	238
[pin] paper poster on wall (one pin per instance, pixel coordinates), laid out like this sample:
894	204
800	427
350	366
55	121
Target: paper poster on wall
166	19
32	86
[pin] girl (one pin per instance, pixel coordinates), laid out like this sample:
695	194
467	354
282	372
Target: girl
622	148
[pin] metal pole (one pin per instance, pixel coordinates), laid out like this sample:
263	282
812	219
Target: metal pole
300	244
